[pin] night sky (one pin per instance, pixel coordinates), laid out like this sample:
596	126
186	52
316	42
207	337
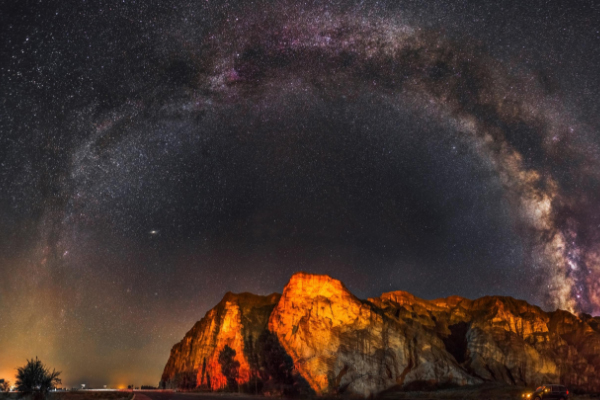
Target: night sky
157	154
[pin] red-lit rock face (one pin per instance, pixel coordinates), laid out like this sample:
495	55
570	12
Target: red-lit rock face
340	343
236	319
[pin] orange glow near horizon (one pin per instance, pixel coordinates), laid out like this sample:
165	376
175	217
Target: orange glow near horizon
8	374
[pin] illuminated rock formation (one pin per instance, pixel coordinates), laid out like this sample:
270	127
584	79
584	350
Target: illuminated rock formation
237	319
342	344
507	340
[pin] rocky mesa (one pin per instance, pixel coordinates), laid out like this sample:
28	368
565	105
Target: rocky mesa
334	342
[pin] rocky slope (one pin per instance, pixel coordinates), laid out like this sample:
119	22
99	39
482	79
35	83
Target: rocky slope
236	320
340	343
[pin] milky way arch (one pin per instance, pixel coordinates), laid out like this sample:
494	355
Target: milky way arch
513	119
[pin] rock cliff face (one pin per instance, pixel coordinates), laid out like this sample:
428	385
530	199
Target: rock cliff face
508	340
237	319
339	343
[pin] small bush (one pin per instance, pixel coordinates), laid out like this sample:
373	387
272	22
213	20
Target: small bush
35	379
230	367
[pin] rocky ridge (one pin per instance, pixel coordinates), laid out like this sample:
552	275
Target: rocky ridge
342	344
237	319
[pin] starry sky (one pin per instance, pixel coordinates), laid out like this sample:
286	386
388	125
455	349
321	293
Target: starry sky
157	154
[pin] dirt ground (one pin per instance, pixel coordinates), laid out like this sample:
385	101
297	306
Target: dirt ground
484	392
78	395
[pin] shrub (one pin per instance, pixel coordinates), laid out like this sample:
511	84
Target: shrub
230	367
35	379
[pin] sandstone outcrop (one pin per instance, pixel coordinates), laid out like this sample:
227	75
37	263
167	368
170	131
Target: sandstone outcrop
237	319
507	340
341	344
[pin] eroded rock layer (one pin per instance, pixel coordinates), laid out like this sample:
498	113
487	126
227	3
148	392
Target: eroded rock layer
237	319
339	343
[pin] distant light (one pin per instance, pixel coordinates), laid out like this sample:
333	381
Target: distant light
153	232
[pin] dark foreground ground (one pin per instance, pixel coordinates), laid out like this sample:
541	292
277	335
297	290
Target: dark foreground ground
482	392
485	392
167	395
79	395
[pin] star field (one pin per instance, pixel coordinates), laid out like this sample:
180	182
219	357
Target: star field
155	155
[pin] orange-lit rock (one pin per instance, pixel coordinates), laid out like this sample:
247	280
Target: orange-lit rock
340	343
236	319
502	339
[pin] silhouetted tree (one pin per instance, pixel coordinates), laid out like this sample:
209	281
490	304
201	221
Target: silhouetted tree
277	367
275	362
230	367
255	382
35	379
189	381
4	385
185	380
